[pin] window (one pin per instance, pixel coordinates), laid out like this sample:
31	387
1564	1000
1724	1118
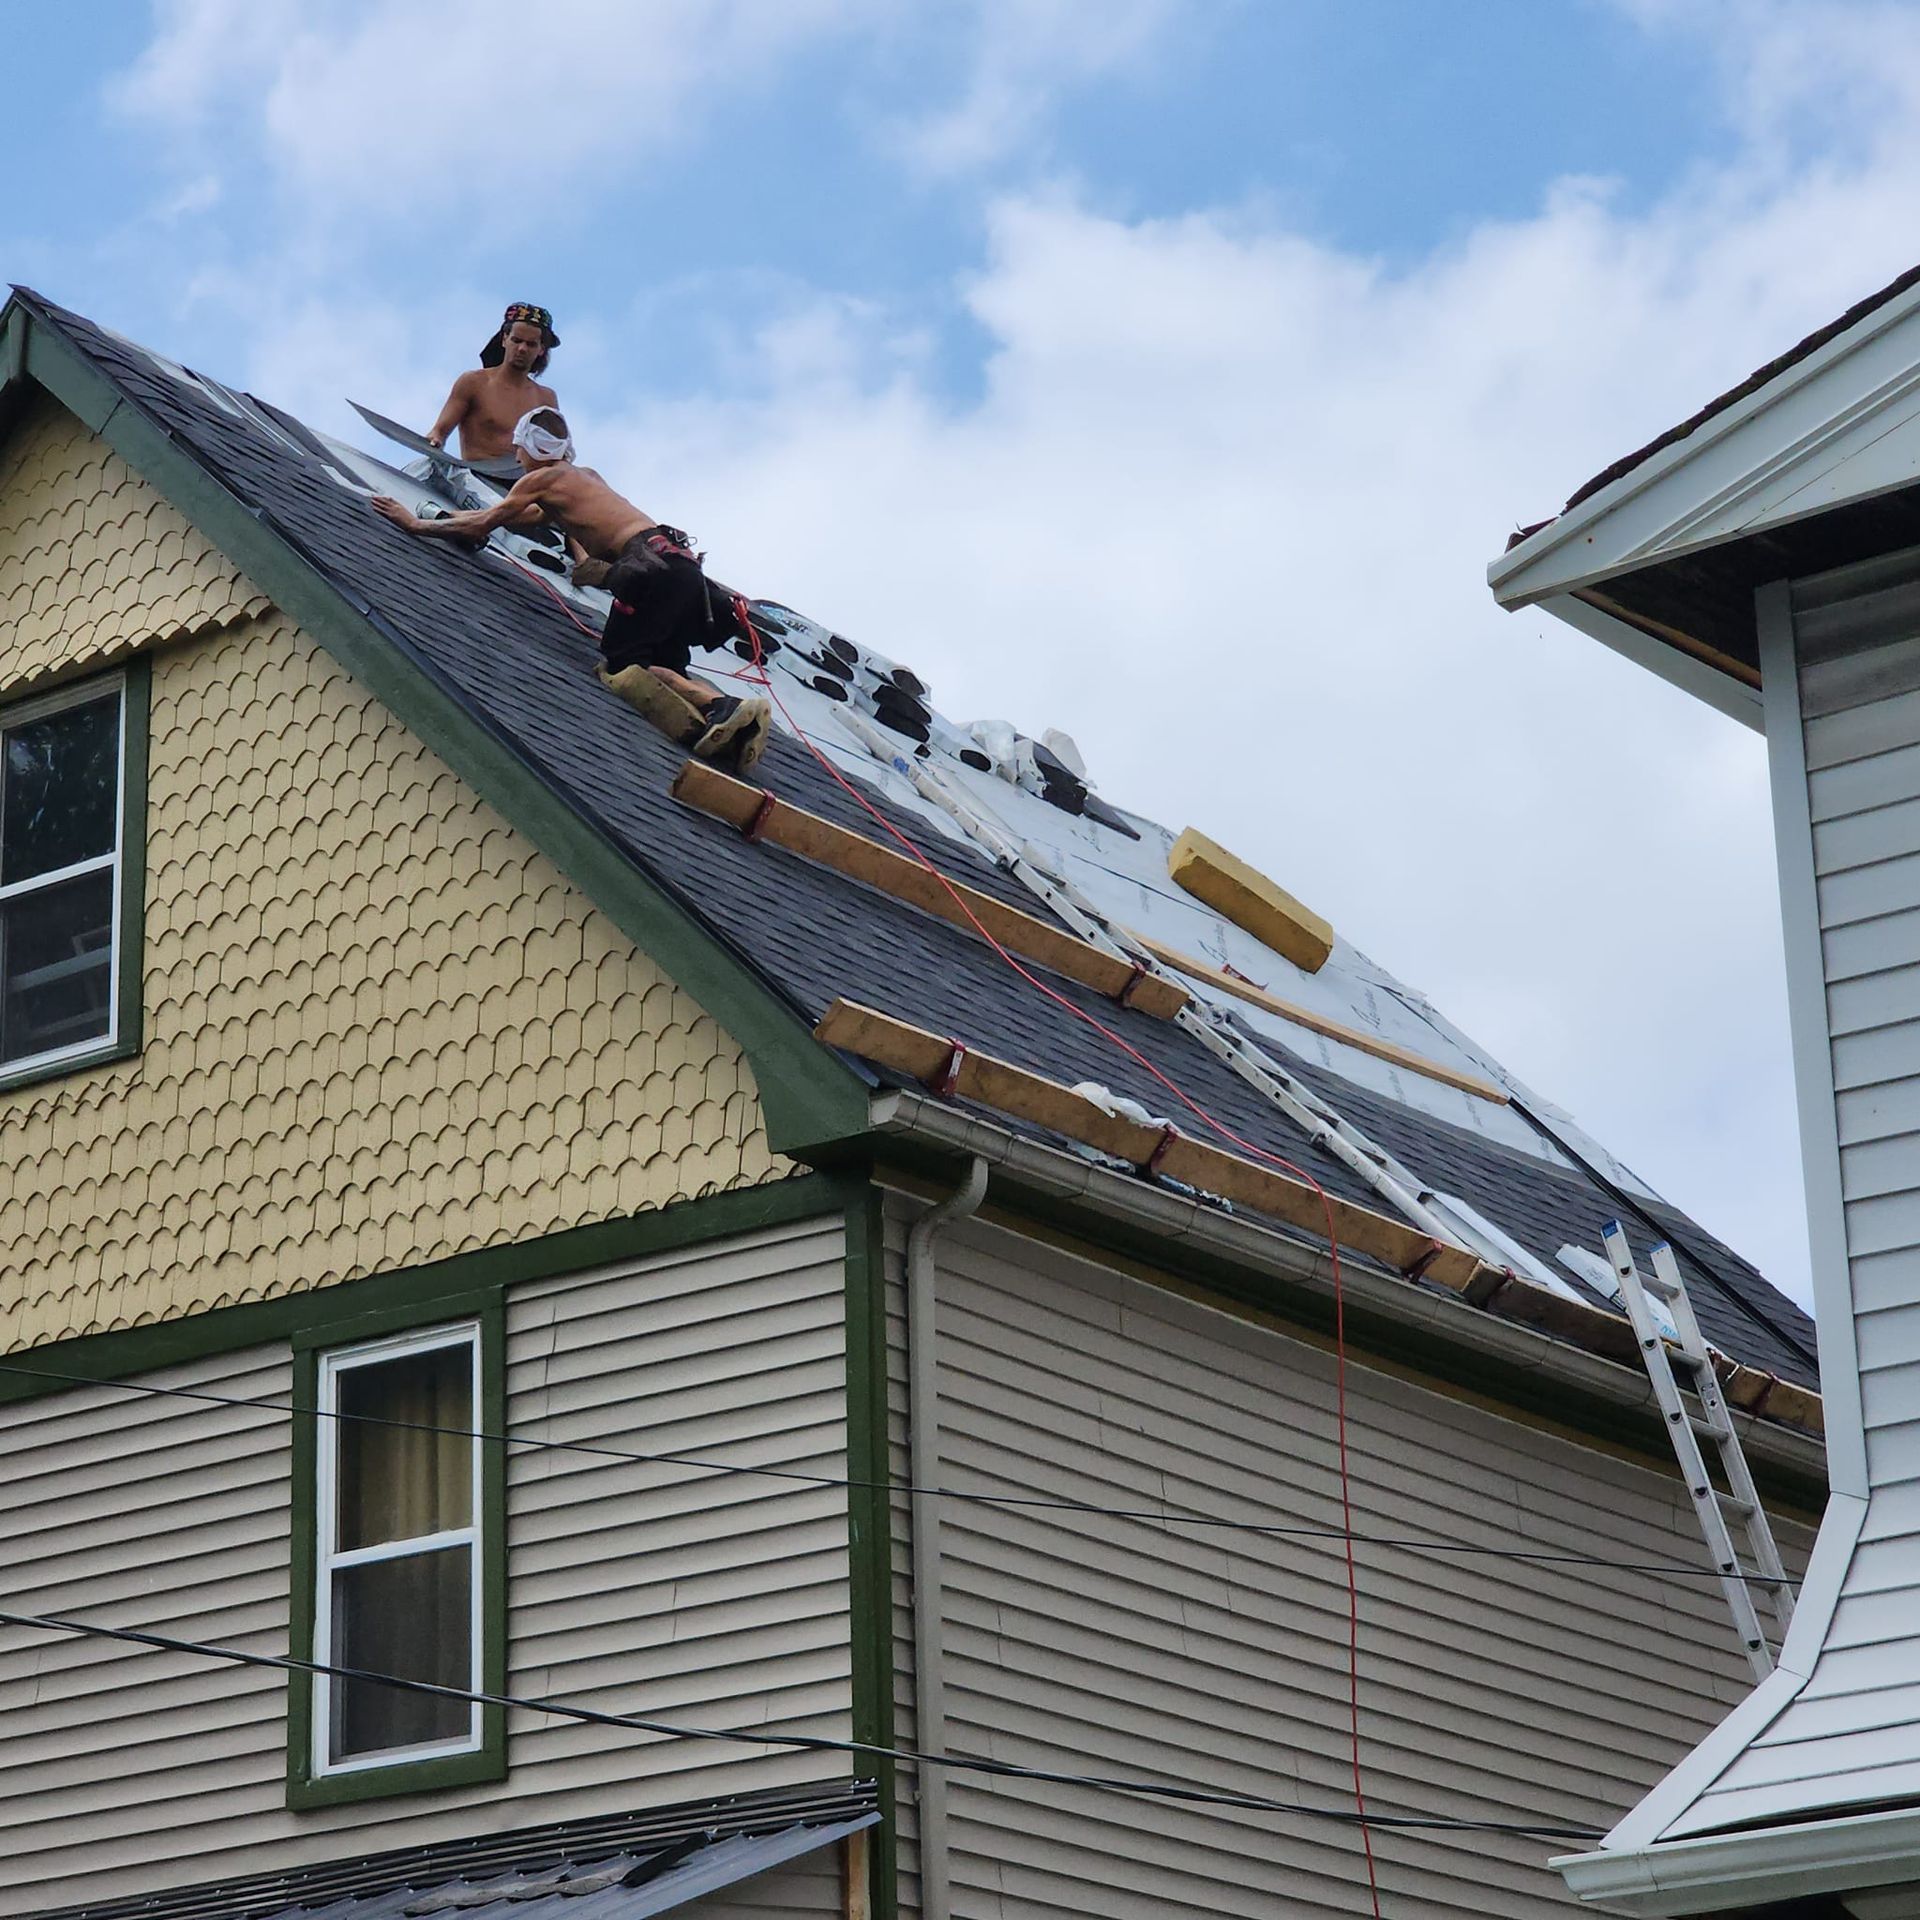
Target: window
399	1518
69	892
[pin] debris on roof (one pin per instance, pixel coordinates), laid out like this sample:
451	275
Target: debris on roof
814	889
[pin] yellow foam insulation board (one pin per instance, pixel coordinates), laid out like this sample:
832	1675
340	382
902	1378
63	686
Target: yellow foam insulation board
1250	900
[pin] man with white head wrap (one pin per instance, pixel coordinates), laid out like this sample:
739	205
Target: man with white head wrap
661	610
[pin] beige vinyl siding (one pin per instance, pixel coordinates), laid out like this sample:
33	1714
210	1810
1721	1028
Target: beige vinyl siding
660	1590
815	1883
1490	1689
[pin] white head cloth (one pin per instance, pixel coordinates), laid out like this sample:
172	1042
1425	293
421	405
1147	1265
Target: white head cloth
538	441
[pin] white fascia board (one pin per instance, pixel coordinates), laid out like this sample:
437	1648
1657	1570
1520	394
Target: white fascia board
1732	1870
1819	412
1721	690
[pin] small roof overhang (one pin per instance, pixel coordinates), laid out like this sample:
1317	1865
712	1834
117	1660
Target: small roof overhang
626	1886
1733	1871
1811	463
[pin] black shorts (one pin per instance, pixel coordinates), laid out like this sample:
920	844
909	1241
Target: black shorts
659	605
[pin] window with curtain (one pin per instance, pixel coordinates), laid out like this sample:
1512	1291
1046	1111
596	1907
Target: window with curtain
398	1561
61	807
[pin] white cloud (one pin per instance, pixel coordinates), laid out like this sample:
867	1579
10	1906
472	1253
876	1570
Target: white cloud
360	107
1023	54
1224	512
204	53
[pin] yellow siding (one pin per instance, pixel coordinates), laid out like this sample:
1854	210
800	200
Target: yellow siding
381	1028
93	563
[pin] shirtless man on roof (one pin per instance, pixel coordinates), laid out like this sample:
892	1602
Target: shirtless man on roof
484	404
660	610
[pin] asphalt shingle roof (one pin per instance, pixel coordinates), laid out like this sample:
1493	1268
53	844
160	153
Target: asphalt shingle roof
508	653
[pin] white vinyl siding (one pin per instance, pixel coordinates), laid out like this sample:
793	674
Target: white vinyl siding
1839	1741
1489	1688
659	1590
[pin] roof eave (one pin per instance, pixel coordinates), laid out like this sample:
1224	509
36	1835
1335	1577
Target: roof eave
1432	1324
1554	558
1691	671
1727	1871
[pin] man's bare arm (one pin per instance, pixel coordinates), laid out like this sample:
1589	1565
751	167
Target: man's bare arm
459	405
520	508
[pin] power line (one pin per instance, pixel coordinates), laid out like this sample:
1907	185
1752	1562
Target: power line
1186	1792
1544	1556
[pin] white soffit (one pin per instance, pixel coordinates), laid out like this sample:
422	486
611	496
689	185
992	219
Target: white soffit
1842	424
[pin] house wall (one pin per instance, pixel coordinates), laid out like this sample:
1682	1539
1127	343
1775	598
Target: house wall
1489	1688
1843	666
93	563
660	1590
381	1029
815	1883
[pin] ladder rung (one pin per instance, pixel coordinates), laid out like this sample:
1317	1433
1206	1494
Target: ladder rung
1711	1428
1729	1504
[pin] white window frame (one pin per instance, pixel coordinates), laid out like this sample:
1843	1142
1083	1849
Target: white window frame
329	1558
82	693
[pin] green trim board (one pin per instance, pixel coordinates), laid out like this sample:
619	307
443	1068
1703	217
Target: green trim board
136	720
808	1095
489	1760
136	705
870	1520
321	1311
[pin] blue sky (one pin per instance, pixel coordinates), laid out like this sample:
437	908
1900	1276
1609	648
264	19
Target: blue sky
1166	370
1387	127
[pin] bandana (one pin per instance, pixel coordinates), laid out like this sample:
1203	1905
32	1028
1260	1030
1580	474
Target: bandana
538	441
534	317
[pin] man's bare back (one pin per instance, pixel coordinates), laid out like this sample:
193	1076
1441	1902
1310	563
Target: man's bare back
555	492
579	502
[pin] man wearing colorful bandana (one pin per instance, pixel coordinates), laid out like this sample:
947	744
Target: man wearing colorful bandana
485	404
660	611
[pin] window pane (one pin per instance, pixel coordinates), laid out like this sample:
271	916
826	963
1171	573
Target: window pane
410	1617
59	800
396	1484
56	966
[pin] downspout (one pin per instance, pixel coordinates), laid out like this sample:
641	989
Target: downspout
929	1680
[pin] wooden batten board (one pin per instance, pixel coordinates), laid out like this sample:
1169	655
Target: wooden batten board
739	803
1198	969
1030	1096
990	1082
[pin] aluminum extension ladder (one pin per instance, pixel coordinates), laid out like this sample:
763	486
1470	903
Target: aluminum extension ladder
1738	1500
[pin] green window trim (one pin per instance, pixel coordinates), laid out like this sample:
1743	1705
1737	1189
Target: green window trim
488	1761
135	680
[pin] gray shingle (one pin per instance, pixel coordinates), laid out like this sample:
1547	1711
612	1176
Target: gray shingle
509	654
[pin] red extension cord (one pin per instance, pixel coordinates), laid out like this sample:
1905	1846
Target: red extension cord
758	675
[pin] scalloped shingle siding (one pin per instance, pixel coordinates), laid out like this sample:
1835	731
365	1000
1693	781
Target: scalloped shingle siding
93	563
381	1028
